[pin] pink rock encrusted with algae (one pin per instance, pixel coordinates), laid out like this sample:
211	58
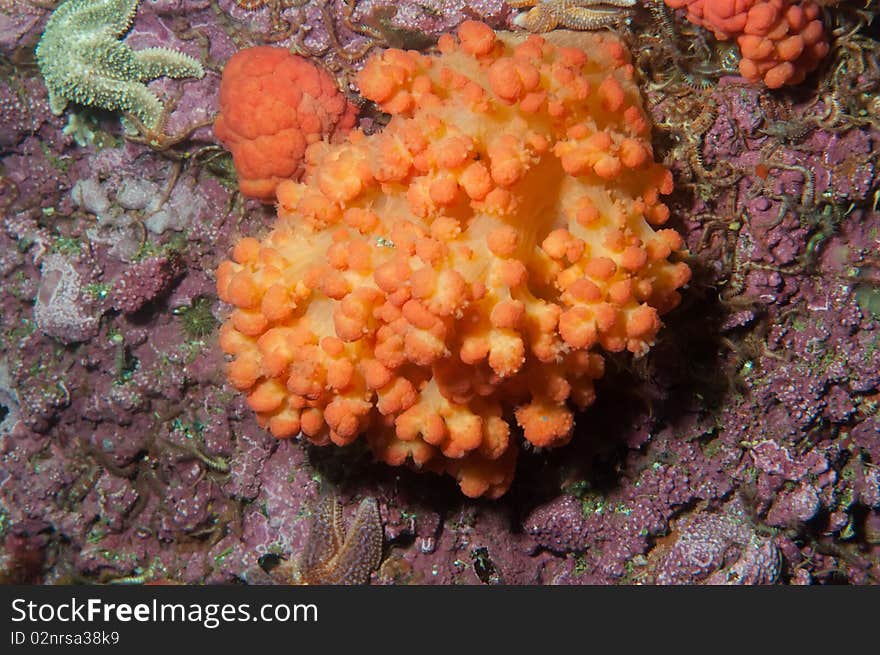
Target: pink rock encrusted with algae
715	549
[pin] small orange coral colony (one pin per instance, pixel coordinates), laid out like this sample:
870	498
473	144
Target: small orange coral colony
780	40
273	104
464	266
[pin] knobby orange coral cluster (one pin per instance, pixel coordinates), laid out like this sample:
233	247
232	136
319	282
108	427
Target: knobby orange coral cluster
466	265
273	104
781	41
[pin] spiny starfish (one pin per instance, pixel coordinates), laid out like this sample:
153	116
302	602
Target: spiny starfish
336	556
83	60
546	15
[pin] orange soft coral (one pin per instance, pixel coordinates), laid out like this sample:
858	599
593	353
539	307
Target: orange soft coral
465	266
780	40
273	104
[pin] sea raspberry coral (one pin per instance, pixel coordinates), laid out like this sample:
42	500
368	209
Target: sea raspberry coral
273	104
465	266
780	40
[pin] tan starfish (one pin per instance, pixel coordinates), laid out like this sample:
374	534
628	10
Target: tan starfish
546	15
336	555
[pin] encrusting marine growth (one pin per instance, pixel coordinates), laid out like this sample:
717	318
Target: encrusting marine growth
463	267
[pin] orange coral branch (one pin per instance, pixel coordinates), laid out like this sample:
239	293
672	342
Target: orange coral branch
465	266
